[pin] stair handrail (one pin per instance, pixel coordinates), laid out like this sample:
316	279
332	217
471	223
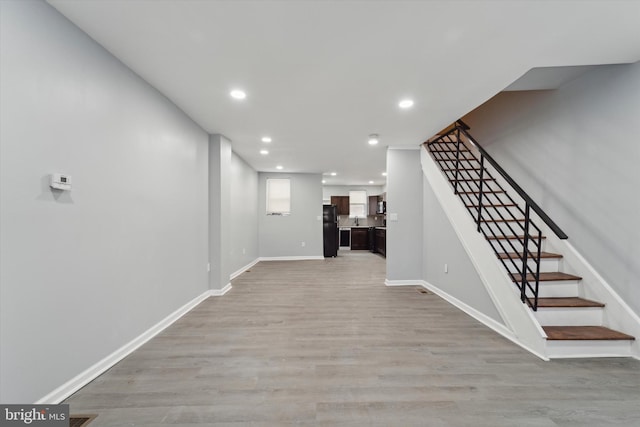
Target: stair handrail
463	127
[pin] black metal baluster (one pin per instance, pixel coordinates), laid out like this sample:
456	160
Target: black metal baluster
455	182
481	189
535	306
525	251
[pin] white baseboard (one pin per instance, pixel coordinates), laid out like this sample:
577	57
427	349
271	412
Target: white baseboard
479	316
220	292
388	282
245	268
290	258
85	377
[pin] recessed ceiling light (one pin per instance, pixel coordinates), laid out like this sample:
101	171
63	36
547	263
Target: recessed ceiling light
405	103
370	182
264	152
266	139
384	174
334	173
279	167
324	181
373	139
238	94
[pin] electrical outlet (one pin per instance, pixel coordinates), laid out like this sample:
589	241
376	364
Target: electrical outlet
303	244
208	266
446	268
244	251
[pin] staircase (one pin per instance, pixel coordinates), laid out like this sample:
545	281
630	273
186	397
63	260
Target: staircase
506	216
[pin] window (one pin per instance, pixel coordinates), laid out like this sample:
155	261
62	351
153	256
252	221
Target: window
278	196
357	204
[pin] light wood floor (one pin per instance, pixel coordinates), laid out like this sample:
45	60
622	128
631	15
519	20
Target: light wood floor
326	343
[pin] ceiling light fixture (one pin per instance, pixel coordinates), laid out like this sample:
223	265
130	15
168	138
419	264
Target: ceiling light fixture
373	139
370	182
266	139
238	94
264	152
405	103
324	181
279	167
334	173
384	174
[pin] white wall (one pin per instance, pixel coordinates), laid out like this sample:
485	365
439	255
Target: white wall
576	151
404	199
84	272
244	213
282	236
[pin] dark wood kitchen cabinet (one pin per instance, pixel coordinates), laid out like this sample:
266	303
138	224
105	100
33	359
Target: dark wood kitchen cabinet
373	205
381	241
359	239
342	202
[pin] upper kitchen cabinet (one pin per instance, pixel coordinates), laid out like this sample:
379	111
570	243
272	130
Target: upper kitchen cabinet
342	202
373	205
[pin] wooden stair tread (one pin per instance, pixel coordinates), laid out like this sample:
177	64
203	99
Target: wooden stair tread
469	179
461	169
510	237
484	192
449	149
513	255
499	205
547	277
568	302
555	333
503	220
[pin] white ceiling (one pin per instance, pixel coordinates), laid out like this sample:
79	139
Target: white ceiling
321	76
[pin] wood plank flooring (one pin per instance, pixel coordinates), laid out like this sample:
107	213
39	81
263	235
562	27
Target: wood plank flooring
325	343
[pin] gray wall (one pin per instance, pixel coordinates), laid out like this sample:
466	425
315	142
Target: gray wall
244	213
404	199
343	190
576	150
441	246
282	236
84	272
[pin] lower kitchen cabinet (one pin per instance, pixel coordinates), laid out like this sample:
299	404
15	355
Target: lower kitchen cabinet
381	241
359	239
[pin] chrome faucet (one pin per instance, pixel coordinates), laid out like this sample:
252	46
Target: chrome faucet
356	221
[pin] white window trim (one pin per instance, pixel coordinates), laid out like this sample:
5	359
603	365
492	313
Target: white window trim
282	204
363	205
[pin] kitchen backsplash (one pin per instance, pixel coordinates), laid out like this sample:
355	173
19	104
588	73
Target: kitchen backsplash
370	221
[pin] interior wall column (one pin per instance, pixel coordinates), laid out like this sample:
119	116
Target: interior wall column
219	211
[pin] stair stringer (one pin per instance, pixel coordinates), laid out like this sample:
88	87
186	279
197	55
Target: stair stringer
518	318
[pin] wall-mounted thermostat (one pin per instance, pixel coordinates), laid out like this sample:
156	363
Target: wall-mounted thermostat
60	181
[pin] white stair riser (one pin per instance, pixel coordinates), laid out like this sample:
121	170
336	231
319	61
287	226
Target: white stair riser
547	265
568	288
500	212
588	348
566	316
512	245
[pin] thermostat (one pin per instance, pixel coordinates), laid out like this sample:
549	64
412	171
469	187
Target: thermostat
60	181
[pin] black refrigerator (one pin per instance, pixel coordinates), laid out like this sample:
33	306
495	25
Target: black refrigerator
330	230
